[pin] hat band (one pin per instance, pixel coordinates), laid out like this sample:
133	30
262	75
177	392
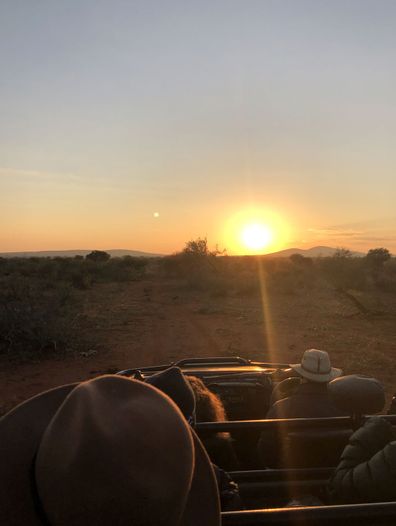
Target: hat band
314	372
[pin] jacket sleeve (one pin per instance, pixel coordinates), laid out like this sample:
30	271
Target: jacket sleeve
367	468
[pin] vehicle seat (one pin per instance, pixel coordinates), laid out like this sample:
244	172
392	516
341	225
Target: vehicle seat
308	448
354	395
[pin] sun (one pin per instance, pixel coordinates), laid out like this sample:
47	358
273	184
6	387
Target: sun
256	236
255	230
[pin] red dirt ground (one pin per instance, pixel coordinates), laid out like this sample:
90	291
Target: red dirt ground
157	321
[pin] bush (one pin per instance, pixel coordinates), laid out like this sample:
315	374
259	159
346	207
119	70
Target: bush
344	272
98	256
376	257
127	268
35	321
195	263
78	272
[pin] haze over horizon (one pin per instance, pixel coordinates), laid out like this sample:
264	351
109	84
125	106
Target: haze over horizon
143	125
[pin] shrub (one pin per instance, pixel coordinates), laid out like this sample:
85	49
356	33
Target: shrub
80	273
301	261
195	263
344	272
124	269
376	257
34	321
98	256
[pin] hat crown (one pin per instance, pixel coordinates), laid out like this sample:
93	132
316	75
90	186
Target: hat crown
109	450
316	361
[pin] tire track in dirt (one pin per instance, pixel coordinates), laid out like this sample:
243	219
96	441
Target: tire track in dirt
172	330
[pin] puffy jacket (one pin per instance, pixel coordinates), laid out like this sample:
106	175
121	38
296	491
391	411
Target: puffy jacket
367	468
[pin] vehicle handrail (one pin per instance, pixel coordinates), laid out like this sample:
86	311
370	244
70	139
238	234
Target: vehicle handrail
346	422
366	514
146	369
215	360
209	361
270	365
270	475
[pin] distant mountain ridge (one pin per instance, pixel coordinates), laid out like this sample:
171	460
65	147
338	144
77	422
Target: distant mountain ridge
314	252
72	253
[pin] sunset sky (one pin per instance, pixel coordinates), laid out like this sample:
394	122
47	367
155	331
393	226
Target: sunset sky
143	124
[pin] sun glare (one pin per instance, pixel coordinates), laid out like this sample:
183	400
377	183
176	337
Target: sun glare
255	231
256	236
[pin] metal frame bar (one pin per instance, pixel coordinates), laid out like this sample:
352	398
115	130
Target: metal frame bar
345	422
271	475
233	361
366	514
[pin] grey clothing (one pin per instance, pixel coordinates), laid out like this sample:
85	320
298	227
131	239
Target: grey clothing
367	468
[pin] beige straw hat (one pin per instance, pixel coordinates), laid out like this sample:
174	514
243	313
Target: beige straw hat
315	366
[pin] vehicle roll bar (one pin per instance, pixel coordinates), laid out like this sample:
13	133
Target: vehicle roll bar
215	360
369	514
346	422
235	361
271	475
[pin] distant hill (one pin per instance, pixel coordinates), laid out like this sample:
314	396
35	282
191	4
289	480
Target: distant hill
313	252
72	253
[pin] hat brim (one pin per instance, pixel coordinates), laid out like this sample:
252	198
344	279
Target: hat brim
317	377
203	493
20	434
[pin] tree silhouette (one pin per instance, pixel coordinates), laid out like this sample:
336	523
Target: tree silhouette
98	256
342	253
376	257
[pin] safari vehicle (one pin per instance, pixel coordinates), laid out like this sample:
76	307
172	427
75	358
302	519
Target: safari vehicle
247	389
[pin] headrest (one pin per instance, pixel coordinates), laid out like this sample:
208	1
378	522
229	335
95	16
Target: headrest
357	394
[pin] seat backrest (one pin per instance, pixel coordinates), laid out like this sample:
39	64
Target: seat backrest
310	448
314	448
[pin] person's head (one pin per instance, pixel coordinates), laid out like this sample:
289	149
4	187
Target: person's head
173	383
315	366
208	406
106	451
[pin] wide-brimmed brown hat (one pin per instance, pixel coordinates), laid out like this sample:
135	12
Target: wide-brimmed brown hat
315	366
109	451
